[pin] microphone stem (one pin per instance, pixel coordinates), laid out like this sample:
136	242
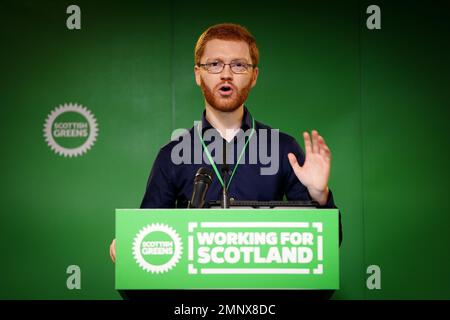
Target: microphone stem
225	198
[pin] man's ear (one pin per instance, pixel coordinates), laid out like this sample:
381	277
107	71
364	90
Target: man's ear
255	76
197	75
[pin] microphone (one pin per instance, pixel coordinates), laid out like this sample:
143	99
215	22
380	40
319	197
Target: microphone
202	181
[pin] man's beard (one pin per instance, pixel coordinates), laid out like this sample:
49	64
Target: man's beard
225	104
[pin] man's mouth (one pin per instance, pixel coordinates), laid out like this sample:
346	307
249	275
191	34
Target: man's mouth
226	90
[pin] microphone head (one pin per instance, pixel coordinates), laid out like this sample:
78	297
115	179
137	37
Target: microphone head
203	174
202	181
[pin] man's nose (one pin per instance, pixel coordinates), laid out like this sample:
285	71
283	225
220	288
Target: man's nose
226	73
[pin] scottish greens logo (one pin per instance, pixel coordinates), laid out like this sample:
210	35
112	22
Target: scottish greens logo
157	248
70	130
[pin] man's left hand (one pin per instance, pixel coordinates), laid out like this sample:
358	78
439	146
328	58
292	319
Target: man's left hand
315	171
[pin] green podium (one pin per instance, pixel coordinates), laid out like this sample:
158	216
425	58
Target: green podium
227	249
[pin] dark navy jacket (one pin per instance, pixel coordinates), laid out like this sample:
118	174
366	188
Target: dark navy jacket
170	185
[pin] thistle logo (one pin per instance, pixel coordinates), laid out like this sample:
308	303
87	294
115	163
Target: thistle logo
157	248
70	130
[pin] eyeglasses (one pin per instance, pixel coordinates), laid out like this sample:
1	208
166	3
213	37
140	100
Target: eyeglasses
235	66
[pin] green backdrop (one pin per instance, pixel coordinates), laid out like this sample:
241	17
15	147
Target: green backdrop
379	97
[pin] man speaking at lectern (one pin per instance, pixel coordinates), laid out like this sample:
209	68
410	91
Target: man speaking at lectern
226	69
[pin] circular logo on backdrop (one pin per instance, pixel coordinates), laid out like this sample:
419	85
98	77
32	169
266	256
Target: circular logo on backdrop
157	248
70	130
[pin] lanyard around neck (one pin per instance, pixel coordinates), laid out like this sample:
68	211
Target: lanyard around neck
208	155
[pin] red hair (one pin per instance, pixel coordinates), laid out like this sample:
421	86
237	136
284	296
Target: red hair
227	31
